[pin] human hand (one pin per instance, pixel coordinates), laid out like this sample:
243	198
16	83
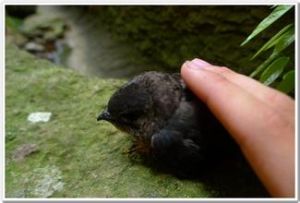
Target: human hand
259	118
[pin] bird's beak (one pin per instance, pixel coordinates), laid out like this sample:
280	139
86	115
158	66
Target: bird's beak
104	115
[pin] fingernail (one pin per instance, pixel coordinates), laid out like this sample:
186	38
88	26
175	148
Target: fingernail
191	65
200	63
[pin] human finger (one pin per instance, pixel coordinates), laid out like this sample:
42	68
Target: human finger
257	127
279	101
228	101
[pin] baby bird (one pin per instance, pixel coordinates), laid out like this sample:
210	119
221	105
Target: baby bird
171	127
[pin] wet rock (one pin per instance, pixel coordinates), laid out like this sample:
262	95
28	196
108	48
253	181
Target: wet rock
44	27
34	47
41	36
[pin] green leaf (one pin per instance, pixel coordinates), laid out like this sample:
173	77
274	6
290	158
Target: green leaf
285	40
273	41
275	15
263	66
287	84
282	43
274	70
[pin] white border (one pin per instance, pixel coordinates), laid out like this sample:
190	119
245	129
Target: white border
296	98
149	199
149	2
2	96
145	2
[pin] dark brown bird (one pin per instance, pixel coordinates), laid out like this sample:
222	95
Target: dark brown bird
171	127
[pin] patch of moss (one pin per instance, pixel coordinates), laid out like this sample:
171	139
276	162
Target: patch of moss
13	22
78	156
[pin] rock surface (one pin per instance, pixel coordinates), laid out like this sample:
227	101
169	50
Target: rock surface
77	156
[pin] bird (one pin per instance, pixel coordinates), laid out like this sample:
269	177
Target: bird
172	129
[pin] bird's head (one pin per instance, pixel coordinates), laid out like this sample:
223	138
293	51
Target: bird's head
144	104
128	108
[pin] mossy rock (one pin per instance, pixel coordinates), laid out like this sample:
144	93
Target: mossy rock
44	27
75	156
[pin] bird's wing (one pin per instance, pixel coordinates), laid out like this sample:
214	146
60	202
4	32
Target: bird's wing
181	156
173	144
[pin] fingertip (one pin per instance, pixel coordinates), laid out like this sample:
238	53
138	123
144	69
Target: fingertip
184	69
191	68
200	63
196	64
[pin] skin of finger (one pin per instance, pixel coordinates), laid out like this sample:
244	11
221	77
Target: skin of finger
279	101
228	101
248	120
273	162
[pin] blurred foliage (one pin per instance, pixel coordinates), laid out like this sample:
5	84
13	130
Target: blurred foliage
273	70
12	31
13	22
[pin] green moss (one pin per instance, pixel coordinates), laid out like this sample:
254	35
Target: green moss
13	23
170	35
77	156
